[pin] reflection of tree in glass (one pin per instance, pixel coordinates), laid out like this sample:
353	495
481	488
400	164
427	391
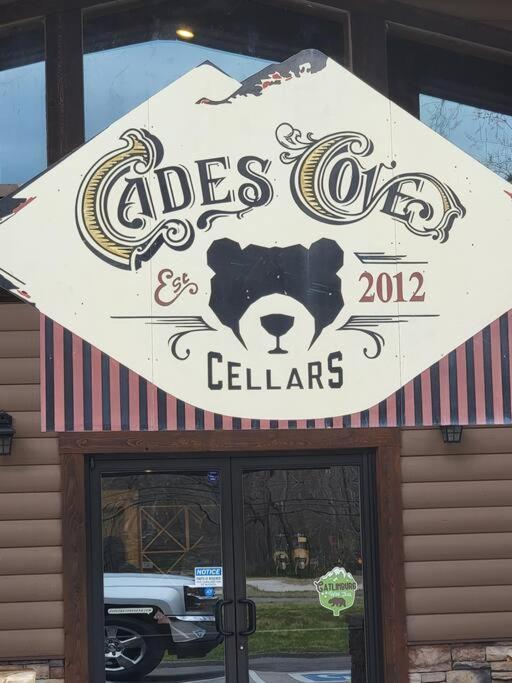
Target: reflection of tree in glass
494	135
443	116
302	522
486	135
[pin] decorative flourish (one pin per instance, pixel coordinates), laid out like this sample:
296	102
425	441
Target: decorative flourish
380	257
206	219
358	323
175	285
188	325
366	324
183	324
295	142
330	183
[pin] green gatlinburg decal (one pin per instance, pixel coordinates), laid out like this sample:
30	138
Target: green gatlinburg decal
336	590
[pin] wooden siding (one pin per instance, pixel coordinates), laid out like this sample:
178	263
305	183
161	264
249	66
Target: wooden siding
31	607
457	520
457	501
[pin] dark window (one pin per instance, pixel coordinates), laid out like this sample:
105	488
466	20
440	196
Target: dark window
132	53
464	97
22	103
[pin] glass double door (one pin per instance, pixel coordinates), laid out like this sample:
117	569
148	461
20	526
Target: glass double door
236	569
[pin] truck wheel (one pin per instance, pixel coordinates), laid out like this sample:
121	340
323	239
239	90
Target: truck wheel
133	648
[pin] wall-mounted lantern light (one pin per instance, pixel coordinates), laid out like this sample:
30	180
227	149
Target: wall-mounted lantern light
7	433
451	433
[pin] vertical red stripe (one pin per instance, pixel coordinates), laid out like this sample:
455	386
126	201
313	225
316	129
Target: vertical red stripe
264	424
152	408
282	424
227	422
190	417
409	404
391	411
319	423
78	384
338	422
209	422
97	403
172	418
42	370
133	385
462	384
478	346
58	376
115	396
426	398
356	420
444	390
496	372
374	416
246	423
302	424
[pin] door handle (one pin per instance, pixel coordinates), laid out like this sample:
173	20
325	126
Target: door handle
219	617
251	617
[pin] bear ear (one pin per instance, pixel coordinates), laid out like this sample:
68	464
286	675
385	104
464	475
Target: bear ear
221	253
328	253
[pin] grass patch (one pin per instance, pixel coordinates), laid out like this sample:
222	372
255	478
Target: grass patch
298	629
291	628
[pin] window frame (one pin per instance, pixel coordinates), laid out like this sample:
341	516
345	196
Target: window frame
81	453
413	80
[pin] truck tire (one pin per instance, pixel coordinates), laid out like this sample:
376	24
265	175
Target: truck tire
133	648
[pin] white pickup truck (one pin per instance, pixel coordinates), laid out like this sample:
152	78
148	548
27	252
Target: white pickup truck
147	615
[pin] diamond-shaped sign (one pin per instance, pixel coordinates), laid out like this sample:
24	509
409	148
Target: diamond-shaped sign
274	249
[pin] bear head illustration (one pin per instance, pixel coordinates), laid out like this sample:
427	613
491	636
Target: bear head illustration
244	276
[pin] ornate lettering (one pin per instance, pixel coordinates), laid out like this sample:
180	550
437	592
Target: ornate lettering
330	183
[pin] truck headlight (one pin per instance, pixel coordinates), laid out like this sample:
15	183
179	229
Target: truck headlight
200	599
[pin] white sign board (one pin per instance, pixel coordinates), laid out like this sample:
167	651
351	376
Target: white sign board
277	249
208	577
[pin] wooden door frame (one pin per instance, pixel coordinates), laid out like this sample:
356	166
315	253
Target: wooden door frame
76	449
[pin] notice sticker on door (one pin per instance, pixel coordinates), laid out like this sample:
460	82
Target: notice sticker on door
336	590
208	576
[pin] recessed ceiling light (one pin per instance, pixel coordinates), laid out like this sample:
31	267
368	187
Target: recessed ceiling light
185	33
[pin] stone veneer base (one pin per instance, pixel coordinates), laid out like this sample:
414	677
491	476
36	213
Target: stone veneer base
450	663
47	671
461	663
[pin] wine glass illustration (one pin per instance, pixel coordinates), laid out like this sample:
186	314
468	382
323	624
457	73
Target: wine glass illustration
277	324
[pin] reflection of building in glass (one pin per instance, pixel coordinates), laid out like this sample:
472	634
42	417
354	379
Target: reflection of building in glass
158	532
